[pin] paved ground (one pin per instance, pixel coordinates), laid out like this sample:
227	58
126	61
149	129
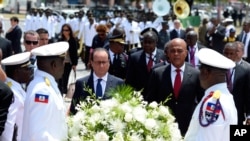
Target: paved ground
7	16
80	72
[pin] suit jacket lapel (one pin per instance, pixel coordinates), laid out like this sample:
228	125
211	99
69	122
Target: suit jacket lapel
109	84
186	75
90	82
157	57
143	60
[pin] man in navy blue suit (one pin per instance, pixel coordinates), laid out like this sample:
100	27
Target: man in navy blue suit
14	34
100	62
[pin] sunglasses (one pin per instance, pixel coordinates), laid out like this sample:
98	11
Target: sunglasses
65	30
31	42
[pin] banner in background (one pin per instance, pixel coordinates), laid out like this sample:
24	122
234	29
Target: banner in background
194	21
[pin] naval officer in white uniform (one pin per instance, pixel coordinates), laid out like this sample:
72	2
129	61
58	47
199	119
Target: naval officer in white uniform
216	111
44	113
19	71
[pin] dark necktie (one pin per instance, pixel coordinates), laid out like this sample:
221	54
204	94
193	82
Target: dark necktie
116	60
150	63
192	60
229	81
99	88
177	83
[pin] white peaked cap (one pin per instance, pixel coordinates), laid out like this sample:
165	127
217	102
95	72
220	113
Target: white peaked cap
52	49
214	59
17	59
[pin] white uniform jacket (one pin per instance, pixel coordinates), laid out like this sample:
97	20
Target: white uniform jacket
49	24
15	115
89	33
219	130
132	37
44	113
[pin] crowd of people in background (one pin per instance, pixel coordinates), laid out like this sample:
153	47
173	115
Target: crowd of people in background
155	55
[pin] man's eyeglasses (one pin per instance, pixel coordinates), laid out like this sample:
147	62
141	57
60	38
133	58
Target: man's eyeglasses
43	39
101	62
31	42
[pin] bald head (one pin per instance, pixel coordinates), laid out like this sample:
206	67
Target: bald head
177	52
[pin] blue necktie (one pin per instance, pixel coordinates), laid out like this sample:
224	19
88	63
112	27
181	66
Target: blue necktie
99	89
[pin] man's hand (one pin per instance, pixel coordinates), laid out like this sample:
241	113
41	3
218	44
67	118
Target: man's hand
247	121
74	68
10	29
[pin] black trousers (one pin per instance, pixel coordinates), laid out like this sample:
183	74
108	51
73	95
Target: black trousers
87	55
63	82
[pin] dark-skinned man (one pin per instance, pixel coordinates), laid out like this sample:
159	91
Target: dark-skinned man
45	113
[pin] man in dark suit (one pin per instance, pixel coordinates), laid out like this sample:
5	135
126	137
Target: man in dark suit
118	58
164	36
244	64
244	37
141	62
239	79
14	34
5	44
6	98
193	46
100	63
215	35
177	32
166	61
183	94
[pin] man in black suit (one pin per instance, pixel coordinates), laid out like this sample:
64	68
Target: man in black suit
244	37
215	35
177	32
164	36
193	46
100	62
118	58
166	61
141	62
6	98
14	34
239	79
5	44
163	84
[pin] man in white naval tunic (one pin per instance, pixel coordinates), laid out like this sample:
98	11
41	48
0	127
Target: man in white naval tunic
216	111
19	71
45	113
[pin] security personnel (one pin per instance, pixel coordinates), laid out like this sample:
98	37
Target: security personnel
19	71
44	113
119	58
216	112
6	98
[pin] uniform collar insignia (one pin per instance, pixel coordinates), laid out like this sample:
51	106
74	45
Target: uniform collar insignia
47	81
9	84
